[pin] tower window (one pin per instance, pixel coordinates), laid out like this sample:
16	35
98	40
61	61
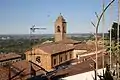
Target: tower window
58	28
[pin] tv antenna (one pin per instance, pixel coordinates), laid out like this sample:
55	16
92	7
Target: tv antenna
32	30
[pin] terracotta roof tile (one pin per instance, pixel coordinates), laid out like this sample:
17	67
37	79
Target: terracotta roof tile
69	41
9	56
19	66
88	47
81	46
4	74
53	48
79	68
25	65
56	48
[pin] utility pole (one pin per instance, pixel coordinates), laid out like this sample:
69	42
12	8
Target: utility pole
118	35
32	30
111	11
103	25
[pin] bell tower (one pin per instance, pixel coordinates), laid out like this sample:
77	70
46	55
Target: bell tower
60	28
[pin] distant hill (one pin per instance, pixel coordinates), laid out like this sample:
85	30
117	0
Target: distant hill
27	36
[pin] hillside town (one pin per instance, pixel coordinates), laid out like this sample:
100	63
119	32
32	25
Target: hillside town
64	57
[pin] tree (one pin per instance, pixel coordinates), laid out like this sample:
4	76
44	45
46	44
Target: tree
114	46
114	32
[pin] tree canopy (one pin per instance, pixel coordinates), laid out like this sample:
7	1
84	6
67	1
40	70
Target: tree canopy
114	31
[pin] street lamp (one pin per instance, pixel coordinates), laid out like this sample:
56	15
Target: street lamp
96	32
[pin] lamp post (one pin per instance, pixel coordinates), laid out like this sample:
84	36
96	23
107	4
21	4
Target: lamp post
110	36
103	25
96	32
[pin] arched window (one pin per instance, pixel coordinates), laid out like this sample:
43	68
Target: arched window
58	28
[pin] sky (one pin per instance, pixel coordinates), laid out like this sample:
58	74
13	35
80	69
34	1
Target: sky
18	16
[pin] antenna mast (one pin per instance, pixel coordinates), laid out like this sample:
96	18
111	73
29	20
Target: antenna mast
32	30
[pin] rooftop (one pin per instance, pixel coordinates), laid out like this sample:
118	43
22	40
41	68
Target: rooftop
60	18
55	48
69	41
27	66
85	46
9	56
17	67
81	67
4	74
81	46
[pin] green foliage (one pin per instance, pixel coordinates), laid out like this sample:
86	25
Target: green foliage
114	44
114	31
91	37
19	46
113	48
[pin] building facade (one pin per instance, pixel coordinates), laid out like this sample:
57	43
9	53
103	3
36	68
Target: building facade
5	59
51	56
54	54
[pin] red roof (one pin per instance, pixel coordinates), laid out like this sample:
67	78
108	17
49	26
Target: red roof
88	47
19	66
69	41
9	56
53	48
80	67
25	65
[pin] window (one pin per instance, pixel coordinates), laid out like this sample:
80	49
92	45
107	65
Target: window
38	59
65	56
70	55
60	59
58	28
54	61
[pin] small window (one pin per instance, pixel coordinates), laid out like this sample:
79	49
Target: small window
60	59
70	55
54	61
65	56
58	28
